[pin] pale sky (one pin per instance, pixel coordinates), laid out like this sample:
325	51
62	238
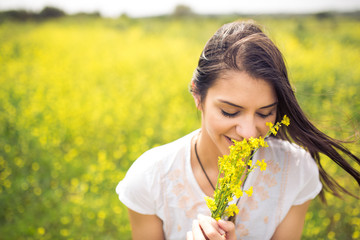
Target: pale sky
139	8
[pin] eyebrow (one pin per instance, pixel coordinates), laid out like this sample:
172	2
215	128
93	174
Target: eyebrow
232	104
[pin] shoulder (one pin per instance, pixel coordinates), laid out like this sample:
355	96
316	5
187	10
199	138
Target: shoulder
141	188
164	155
286	148
293	155
299	169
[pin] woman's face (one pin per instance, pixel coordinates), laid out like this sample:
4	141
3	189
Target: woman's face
236	107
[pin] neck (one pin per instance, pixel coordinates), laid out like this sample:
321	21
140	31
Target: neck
208	153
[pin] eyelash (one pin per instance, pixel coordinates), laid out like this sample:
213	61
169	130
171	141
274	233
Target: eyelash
230	115
265	116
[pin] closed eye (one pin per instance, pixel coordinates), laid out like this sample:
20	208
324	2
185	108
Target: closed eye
265	115
226	114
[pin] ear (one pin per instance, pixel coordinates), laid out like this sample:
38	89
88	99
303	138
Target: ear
197	101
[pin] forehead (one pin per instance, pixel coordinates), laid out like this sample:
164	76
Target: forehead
239	87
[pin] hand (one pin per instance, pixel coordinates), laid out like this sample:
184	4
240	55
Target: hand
205	227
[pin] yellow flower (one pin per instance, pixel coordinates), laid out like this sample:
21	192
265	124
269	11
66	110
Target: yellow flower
41	230
273	131
234	169
249	192
231	210
269	124
272	128
210	203
254	142
285	120
238	192
262	142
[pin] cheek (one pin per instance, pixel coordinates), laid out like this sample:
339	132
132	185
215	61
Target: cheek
212	122
272	119
215	123
264	128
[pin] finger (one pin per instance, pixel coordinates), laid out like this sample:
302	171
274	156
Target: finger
210	227
197	233
229	228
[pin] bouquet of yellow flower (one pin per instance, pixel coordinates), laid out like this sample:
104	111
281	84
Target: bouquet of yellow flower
233	171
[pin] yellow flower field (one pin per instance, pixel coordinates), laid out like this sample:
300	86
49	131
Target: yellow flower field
82	98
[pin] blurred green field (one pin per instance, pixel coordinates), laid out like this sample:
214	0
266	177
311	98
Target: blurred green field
82	98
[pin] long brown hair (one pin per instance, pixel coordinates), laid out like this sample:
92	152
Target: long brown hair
243	46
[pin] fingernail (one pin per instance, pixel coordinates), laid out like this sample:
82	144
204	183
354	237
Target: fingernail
222	221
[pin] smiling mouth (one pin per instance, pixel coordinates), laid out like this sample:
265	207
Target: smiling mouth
229	140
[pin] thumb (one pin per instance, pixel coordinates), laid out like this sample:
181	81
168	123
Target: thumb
229	228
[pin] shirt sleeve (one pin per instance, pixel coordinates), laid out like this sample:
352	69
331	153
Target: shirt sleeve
310	184
136	190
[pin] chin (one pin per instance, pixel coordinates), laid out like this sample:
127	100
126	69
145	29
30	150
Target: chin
226	146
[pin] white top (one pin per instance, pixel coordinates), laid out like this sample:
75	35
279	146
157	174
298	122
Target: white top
161	182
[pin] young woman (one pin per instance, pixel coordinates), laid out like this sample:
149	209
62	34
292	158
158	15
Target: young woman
240	83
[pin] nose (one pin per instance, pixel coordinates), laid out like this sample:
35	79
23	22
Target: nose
246	128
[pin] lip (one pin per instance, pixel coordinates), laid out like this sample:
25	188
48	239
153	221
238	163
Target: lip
229	140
